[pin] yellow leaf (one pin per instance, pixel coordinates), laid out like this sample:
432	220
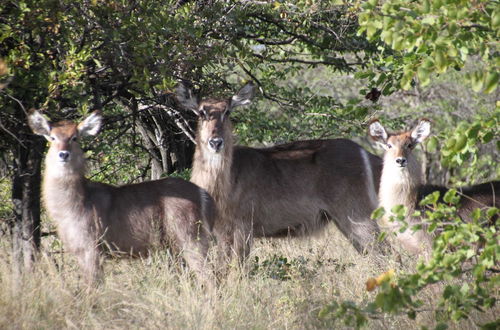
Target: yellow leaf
387	276
371	284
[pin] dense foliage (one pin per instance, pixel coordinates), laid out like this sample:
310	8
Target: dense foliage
424	38
419	40
126	57
464	261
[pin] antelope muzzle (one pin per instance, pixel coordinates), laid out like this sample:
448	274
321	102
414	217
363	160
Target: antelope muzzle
216	144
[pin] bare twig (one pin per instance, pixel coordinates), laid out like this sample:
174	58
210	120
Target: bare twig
175	115
11	134
18	102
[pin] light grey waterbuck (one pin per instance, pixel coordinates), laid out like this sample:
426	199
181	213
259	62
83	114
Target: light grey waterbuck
402	184
130	220
290	189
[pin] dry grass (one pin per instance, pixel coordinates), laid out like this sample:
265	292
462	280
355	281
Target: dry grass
157	293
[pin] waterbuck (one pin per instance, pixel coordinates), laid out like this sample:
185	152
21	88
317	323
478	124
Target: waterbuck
129	220
289	189
401	183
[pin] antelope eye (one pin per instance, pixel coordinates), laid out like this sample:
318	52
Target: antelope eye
74	138
52	138
410	146
389	146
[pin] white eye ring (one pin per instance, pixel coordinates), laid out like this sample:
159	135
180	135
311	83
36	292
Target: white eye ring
52	138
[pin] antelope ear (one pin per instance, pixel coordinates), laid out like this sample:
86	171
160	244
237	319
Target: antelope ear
377	132
91	124
39	124
244	96
186	97
421	131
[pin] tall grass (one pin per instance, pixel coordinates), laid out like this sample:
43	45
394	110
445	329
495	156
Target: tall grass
286	283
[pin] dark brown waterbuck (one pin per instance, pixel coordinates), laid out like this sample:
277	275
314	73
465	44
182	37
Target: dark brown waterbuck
290	189
402	184
93	217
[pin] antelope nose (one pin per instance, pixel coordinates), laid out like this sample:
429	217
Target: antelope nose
401	161
64	155
216	143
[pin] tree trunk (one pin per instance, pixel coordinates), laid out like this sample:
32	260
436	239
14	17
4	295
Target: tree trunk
169	150
149	142
26	201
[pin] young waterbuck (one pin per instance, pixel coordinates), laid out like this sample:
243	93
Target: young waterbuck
92	217
290	189
402	184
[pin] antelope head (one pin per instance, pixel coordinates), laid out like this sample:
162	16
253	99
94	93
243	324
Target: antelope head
64	151
399	146
214	127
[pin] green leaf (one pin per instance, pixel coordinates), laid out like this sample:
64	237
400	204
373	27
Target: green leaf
495	19
426	7
436	4
495	325
452	29
440	60
423	76
371	29
477	81
429	20
488	137
473	131
386	36
378	213
491	82
492	212
461	143
430	199
428	63
441	326
406	82
464	289
432	144
476	214
470	253
399	209
397	42
450	143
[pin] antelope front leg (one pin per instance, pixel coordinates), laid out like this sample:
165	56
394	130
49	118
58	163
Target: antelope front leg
90	263
242	241
233	243
418	243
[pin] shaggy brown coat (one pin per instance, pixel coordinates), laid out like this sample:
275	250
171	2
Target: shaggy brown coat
126	220
290	189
